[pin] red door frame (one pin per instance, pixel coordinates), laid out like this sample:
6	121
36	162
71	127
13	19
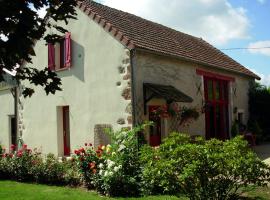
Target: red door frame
155	137
221	103
65	131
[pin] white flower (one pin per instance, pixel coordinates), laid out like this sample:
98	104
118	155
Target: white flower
110	163
116	169
100	165
106	173
100	172
121	147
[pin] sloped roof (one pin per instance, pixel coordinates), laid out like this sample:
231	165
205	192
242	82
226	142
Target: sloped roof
136	32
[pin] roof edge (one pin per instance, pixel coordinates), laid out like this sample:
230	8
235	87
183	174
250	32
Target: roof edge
118	35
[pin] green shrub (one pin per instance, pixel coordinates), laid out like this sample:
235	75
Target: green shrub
20	163
27	165
202	169
119	175
113	169
53	171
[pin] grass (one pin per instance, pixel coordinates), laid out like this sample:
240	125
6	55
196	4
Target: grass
24	191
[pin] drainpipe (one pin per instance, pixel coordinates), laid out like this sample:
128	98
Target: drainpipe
16	113
133	85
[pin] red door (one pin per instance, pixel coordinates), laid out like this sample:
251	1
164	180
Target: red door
155	130
66	131
216	112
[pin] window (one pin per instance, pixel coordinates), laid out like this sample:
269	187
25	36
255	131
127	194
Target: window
59	54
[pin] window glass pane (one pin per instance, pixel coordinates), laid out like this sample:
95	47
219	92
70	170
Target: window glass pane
62	53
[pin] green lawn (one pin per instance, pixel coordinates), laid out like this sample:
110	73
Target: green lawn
10	190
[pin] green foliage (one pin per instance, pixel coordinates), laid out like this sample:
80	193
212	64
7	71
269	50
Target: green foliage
254	128
259	108
113	169
27	165
235	129
53	171
201	169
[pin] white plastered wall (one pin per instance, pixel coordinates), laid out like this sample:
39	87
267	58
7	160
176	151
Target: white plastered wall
91	89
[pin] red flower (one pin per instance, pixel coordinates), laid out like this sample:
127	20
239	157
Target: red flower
85	144
19	154
82	150
29	150
12	147
92	165
90	144
11	155
24	146
76	152
94	171
100	147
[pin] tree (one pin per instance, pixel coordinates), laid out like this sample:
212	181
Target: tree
259	109
20	27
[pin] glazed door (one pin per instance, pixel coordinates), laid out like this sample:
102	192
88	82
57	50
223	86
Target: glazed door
216	111
155	130
66	131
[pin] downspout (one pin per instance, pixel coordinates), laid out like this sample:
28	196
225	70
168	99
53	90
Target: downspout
133	85
14	92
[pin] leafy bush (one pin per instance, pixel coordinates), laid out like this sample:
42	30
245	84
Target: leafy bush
27	165
113	169
87	159
19	163
53	171
119	175
202	169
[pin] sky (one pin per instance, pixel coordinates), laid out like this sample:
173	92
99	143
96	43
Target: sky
225	24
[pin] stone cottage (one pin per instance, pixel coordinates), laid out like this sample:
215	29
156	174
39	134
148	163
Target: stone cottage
115	69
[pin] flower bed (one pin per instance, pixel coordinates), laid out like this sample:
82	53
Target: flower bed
181	165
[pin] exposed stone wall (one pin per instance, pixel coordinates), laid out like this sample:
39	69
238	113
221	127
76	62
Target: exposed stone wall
100	135
21	126
125	85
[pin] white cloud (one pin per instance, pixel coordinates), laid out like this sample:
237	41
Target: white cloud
261	1
215	20
259	47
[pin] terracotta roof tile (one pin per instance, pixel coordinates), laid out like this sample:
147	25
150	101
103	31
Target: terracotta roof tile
136	32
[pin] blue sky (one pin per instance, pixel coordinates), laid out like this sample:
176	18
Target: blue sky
259	15
223	23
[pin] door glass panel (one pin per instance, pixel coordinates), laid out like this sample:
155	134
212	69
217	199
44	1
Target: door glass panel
217	90
210	89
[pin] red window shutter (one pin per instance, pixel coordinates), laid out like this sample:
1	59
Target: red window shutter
51	57
68	49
